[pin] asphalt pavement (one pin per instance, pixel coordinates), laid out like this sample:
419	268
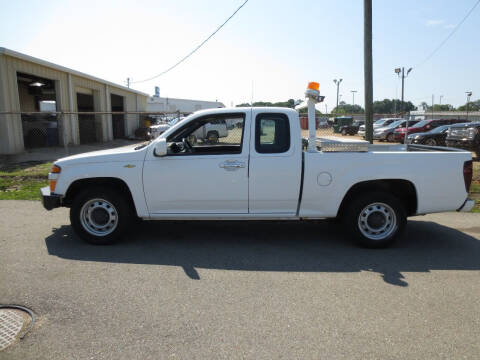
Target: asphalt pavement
241	290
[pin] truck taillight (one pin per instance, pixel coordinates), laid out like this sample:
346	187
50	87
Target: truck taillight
467	174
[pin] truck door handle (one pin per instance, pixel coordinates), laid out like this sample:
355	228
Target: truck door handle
232	165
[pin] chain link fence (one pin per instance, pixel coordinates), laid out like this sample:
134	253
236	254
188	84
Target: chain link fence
58	129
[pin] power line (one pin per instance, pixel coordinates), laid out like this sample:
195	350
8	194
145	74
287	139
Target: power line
449	35
194	50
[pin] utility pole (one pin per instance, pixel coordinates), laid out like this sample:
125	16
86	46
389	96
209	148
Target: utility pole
128	82
337	82
469	94
368	69
326	109
441	96
433	103
353	96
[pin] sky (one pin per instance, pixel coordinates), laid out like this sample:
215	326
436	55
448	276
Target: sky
269	51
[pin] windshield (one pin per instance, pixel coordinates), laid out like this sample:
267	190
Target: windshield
395	123
421	124
380	122
440	129
173	122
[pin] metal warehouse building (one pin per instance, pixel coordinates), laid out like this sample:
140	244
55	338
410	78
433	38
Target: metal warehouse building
37	88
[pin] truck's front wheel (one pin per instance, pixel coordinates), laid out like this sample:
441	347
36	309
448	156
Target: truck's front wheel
375	219
100	215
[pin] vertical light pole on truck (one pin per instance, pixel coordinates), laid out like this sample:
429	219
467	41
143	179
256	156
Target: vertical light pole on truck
313	97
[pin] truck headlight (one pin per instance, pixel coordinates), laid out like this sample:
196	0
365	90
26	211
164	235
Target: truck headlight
472	132
53	176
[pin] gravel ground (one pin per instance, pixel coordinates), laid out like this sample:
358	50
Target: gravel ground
228	290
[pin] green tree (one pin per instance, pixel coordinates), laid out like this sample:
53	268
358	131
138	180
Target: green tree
290	103
387	106
438	107
472	106
344	108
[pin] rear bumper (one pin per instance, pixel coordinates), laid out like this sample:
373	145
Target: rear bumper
50	201
467	205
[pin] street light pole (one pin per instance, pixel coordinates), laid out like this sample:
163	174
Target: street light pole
469	94
353	96
402	71
337	82
441	96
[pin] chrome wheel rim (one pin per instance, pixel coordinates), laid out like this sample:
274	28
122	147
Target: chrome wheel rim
99	217
431	142
377	221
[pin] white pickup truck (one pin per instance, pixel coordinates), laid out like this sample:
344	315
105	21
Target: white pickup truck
260	171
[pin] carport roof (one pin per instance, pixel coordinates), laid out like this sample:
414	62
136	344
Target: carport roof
15	54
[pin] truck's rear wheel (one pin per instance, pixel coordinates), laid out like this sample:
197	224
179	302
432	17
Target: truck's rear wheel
375	219
100	215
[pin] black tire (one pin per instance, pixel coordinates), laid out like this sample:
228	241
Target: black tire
360	205
390	138
123	214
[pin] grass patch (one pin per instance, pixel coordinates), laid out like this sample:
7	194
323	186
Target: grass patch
23	181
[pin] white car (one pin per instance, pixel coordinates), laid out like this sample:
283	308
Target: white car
260	173
159	129
377	124
211	132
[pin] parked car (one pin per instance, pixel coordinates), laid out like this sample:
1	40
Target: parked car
211	132
435	137
340	121
158	129
423	126
465	136
261	174
351	129
387	133
377	124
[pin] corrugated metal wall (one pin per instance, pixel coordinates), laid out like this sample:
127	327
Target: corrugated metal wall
11	133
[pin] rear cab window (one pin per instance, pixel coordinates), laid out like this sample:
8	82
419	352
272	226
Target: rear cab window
272	133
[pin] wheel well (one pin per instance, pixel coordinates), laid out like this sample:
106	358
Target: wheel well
112	183
404	190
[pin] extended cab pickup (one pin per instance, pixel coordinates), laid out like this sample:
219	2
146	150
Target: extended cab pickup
259	171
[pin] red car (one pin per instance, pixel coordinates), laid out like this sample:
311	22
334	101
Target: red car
423	126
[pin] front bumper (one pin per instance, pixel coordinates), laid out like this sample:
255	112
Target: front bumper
381	136
361	132
462	144
50	201
467	205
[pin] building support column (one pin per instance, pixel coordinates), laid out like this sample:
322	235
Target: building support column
75	132
109	133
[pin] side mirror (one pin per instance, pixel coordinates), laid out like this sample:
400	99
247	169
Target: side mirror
160	147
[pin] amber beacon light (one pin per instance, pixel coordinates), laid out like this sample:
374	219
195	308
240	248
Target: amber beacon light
313	86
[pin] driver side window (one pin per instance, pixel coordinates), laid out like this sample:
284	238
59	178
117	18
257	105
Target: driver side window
219	134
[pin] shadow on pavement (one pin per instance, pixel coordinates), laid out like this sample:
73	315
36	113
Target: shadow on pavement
276	246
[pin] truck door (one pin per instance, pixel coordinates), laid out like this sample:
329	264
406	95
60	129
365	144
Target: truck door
275	163
201	175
